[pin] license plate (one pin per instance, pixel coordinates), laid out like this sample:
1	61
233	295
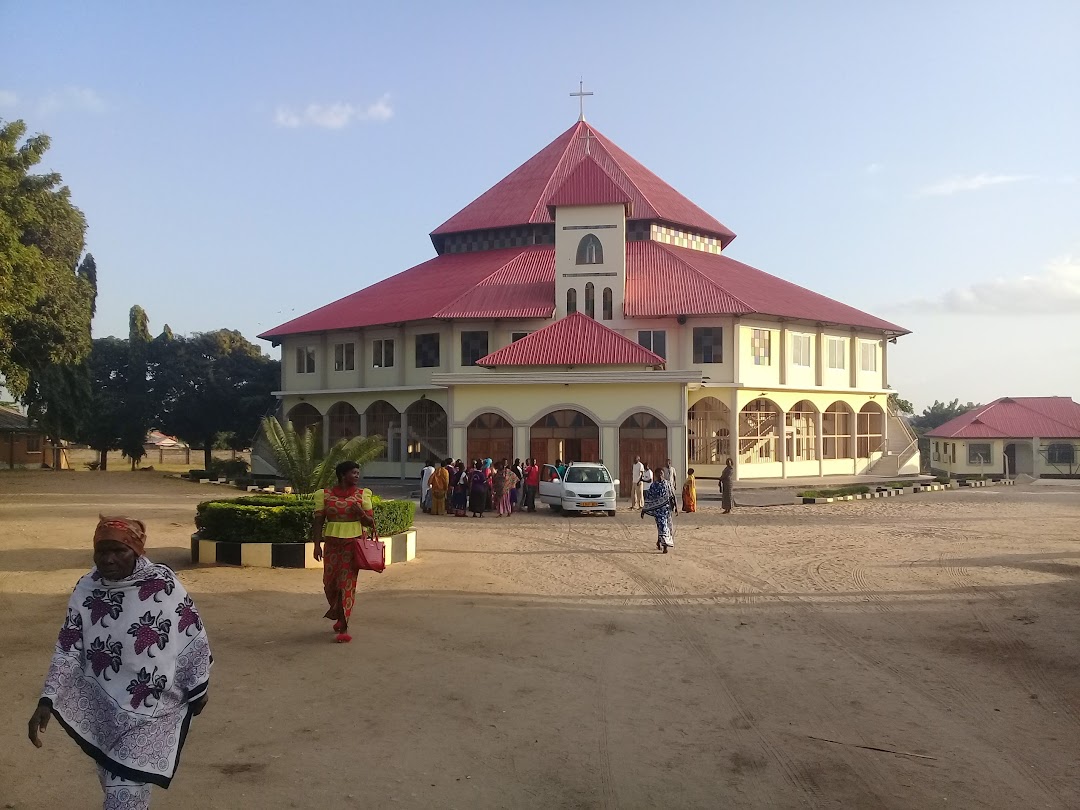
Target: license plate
588	503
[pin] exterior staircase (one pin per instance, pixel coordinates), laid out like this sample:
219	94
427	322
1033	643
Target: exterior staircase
901	450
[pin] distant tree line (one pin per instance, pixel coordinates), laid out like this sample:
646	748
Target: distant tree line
207	388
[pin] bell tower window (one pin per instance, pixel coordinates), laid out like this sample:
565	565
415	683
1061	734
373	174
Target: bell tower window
607	303
590	300
571	301
589	250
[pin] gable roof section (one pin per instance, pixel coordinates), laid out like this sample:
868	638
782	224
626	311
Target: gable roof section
588	184
507	283
14	422
1015	417
664	280
576	340
522	197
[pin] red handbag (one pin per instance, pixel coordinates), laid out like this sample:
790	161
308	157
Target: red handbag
369	553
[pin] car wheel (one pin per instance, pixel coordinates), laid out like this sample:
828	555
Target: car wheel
611	513
556	508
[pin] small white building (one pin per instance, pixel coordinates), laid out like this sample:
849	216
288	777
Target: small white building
1037	436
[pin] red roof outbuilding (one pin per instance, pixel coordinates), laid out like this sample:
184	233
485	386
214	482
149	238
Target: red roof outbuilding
1015	418
576	340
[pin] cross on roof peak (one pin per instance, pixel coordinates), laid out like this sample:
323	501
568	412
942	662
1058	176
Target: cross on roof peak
580	96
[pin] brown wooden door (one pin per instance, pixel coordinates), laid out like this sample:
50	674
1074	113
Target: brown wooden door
494	449
652	452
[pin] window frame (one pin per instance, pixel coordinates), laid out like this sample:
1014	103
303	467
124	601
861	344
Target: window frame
756	334
972	461
571	300
839	343
379	353
516	336
801	341
345	356
305	360
462	346
590	250
872	346
417	349
609	310
1055	448
650	345
715	347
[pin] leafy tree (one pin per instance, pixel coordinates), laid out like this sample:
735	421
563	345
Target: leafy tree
939	413
101	423
139	408
900	405
300	458
45	304
213	383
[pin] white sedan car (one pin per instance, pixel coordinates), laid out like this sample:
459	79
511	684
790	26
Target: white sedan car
587	487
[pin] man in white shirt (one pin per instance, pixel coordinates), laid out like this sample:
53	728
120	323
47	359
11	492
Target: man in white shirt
670	476
637	479
425	486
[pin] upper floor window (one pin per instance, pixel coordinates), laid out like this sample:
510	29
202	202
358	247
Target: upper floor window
427	350
655	340
344	357
590	300
474	345
761	346
516	336
571	300
382	353
837	350
867	355
800	350
589	250
607	303
708	344
305	359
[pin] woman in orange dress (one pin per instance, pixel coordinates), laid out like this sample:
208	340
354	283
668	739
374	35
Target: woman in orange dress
341	513
689	492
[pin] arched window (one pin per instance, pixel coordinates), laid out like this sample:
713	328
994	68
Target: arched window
571	300
590	300
607	303
589	250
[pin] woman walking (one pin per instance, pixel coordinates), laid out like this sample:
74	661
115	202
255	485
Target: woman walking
505	483
440	483
130	669
479	490
727	482
659	504
341	513
689	492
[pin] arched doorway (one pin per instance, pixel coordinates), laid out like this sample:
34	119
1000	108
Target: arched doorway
489	436
836	431
870	430
383	420
1020	458
428	435
800	432
708	432
304	416
344	422
760	431
566	434
641	434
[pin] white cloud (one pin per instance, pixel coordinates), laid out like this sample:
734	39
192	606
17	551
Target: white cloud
873	168
958	183
8	98
334	116
1053	291
81	99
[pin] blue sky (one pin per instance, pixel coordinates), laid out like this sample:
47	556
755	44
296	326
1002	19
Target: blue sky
240	166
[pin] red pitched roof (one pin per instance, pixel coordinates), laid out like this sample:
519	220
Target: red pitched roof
664	280
1016	417
588	184
523	196
576	340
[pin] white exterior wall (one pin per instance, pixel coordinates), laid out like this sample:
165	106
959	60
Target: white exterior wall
801	376
571	225
750	374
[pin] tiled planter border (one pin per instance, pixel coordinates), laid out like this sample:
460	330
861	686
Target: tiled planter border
400	548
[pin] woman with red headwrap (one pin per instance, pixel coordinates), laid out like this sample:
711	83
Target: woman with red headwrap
130	669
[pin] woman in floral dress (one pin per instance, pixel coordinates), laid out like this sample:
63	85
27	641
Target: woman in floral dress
341	513
503	484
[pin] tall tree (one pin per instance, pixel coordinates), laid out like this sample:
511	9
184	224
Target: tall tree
939	413
102	420
212	383
139	407
45	306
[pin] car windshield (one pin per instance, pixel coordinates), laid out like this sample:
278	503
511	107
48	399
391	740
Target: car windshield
587	475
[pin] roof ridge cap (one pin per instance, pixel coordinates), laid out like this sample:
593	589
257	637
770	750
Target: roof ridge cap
725	291
1044	415
640	190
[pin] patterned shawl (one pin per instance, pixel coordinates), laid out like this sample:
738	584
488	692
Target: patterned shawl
131	658
659	497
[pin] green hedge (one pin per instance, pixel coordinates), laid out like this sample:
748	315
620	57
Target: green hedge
283	518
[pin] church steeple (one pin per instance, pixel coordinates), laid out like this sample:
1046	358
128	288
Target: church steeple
580	96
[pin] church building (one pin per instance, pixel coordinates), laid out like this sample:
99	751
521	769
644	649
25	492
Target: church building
583	309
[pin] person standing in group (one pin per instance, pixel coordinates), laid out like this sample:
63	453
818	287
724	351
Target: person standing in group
130	669
727	484
517	494
560	468
689	492
637	476
671	476
341	513
479	490
532	483
505	481
440	483
461	489
660	505
425	486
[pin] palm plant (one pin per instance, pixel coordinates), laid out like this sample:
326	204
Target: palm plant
300	459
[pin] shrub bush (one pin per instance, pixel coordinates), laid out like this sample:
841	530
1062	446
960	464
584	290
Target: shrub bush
195	475
833	492
244	483
228	468
284	518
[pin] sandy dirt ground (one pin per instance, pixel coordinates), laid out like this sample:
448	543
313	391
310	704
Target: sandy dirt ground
546	662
